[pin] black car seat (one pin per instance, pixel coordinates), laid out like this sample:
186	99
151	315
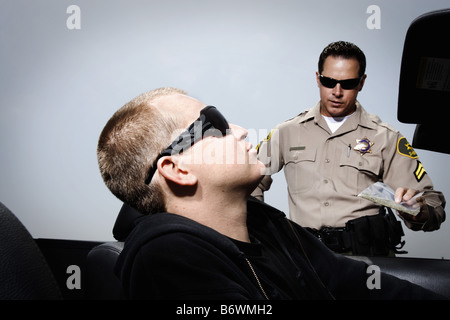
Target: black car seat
24	271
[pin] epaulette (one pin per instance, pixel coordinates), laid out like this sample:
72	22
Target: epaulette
376	119
301	114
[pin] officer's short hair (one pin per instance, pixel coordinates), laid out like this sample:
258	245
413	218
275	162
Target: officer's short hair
345	50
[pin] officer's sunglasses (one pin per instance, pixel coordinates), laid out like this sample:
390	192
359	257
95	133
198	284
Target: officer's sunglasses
210	123
346	84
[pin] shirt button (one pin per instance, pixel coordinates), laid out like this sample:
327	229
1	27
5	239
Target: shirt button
327	160
325	181
326	204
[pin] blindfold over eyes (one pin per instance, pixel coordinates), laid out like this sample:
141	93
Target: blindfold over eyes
210	123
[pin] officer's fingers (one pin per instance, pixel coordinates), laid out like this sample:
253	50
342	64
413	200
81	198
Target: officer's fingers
409	194
403	194
399	194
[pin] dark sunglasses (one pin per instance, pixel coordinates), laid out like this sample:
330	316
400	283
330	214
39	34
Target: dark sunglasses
346	84
210	123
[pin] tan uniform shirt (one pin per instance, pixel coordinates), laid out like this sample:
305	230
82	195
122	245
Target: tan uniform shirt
326	171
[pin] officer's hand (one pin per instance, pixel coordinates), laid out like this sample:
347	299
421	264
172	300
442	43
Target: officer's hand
402	194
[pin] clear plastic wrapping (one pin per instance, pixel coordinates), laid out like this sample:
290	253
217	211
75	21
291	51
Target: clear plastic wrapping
384	195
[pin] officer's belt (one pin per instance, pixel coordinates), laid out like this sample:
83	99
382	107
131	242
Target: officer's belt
366	235
337	239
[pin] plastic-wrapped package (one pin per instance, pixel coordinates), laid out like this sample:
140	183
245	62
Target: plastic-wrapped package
384	195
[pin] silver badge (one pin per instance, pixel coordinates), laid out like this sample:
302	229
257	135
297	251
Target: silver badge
363	146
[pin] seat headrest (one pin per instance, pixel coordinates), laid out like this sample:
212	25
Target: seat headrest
425	69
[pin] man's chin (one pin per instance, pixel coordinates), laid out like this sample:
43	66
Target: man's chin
263	170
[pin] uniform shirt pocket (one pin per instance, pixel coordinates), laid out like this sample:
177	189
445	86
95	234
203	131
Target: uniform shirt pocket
300	168
357	172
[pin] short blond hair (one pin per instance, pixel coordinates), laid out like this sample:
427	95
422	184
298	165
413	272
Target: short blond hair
128	145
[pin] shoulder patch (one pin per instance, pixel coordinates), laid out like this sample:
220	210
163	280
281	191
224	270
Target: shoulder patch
265	139
405	149
269	135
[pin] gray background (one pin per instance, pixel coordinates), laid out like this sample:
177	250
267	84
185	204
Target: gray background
255	60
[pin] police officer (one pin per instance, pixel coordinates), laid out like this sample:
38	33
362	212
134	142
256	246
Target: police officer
333	151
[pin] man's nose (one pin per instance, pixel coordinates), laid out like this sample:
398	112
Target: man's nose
239	132
337	90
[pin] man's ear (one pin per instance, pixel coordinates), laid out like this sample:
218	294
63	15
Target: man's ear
172	169
317	79
361	84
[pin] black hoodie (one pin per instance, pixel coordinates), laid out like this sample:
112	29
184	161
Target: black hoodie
167	256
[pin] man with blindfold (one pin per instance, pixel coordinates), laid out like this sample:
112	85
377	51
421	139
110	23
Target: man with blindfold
333	151
200	236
